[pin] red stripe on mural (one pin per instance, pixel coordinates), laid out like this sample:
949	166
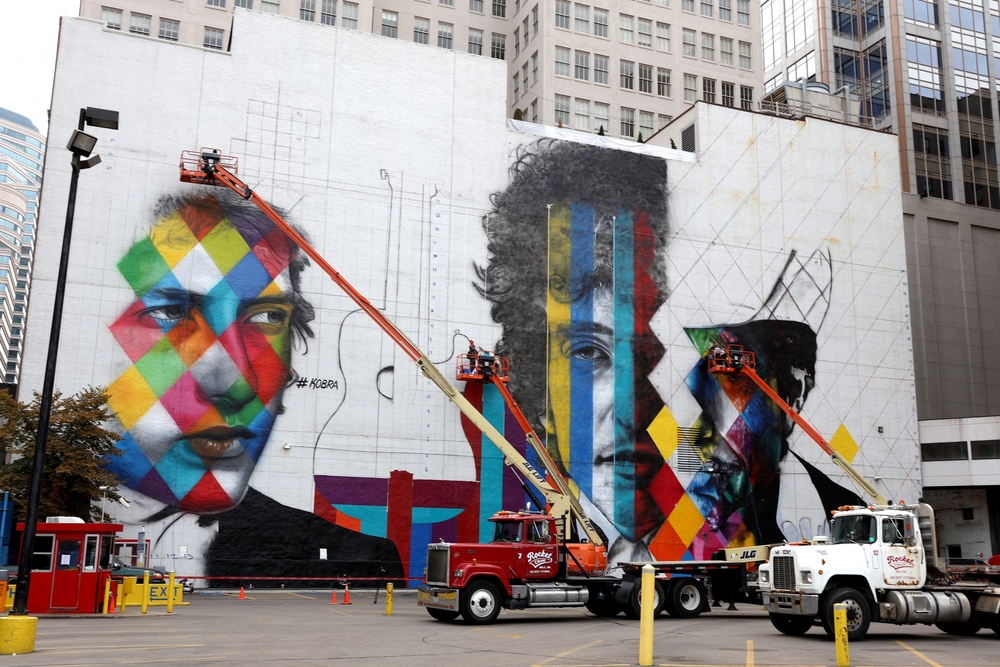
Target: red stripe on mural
400	514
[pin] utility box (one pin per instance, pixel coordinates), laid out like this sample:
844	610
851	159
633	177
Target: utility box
70	564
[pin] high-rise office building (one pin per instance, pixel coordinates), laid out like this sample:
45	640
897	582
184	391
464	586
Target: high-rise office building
21	158
624	67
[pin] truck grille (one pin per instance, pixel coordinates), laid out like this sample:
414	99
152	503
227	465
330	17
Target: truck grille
783	573
437	566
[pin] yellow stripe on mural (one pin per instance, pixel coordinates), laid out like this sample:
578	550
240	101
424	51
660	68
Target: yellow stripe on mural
559	320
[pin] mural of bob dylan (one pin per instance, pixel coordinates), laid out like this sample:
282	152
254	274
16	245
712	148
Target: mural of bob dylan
575	273
218	309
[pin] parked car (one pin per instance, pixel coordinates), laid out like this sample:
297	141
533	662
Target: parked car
119	570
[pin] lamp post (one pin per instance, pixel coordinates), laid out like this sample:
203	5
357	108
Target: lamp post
104	501
81	145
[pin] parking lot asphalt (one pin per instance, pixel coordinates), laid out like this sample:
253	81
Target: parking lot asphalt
304	629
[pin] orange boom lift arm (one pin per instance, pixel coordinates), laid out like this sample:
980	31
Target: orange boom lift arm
210	167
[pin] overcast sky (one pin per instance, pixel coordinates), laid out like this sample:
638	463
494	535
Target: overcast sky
29	30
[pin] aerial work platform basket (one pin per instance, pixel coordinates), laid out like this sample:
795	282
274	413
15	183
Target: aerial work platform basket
199	166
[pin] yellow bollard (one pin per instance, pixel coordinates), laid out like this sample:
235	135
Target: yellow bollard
840	635
170	593
388	599
107	595
647	593
145	591
126	588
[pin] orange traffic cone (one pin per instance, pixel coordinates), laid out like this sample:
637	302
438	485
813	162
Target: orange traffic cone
242	596
333	598
347	594
111	604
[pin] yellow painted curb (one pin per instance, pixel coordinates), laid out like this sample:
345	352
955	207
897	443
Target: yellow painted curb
17	634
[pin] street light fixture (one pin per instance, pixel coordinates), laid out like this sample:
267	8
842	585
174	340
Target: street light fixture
81	145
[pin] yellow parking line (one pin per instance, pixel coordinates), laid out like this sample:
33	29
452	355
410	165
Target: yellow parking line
565	653
342	613
918	654
104	663
137	647
299	595
749	653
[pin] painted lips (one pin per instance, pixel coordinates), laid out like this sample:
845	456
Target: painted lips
218	442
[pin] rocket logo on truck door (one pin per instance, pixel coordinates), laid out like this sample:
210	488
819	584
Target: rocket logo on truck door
900	563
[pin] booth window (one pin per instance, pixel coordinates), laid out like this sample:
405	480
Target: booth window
69	555
42	559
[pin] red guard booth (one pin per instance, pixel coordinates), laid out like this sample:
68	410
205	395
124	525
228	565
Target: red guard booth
70	565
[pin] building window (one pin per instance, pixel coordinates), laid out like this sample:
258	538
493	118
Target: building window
524	31
562	110
534	20
214	38
743	12
746	59
582	23
600	22
562	61
328	14
534	111
517	41
270	6
944	451
446	32
524	77
421	30
690	49
690	88
933	164
627	71
645	124
140	24
476	6
728	94
662	82
803	68
562	14
601	114
707	47
517	83
725	51
982	449
307	10
645	32
687	5
112	17
746	98
645	78
625	28
924	70
844	18
582	117
583	66
169	29
921	11
350	19
708	90
601	69
872	16
390	23
706	7
476	42
663	37
246	4
534	67
217	3
663	120
499	48
448	3
725	10
628	122
500	8
875	98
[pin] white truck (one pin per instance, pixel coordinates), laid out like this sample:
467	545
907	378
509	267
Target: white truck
882	562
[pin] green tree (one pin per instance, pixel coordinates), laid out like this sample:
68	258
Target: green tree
518	114
78	444
639	140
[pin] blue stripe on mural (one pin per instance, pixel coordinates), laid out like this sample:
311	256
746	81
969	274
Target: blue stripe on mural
420	536
624	323
491	477
581	395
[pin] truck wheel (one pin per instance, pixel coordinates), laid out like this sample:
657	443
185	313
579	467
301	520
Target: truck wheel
967	629
858	613
442	614
787	624
992	621
634	607
480	603
603	608
685	598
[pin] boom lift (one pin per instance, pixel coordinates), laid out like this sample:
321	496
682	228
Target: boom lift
210	167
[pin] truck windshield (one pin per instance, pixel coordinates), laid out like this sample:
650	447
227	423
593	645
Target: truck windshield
507	531
856	529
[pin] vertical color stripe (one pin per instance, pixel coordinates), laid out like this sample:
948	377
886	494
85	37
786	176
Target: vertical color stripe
581	463
491	484
624	323
558	309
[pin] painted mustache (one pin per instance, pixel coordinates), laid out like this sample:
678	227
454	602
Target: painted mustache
219	442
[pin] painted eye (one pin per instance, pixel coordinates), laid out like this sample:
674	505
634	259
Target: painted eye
166	314
589	352
272	317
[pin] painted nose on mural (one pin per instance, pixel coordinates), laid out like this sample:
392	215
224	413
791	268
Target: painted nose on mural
224	385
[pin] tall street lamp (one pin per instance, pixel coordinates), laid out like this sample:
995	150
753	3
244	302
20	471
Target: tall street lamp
81	146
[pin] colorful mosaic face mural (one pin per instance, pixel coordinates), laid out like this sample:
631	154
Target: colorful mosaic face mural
209	337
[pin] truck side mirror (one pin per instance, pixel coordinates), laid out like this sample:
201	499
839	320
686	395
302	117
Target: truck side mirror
908	534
